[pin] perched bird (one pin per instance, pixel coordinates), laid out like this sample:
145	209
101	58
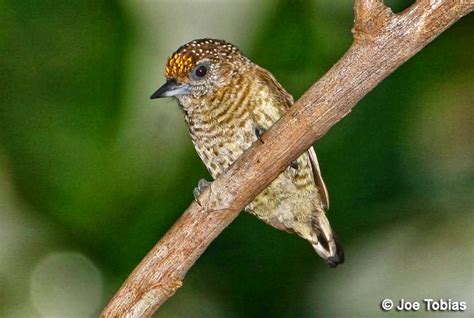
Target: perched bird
228	102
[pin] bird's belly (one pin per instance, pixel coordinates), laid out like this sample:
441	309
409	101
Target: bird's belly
288	203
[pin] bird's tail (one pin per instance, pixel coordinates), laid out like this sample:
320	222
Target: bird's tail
326	243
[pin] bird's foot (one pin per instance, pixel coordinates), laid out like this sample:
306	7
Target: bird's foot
294	164
202	185
259	132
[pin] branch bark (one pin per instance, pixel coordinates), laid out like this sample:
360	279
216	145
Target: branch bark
382	42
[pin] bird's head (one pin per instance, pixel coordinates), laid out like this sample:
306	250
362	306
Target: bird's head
199	68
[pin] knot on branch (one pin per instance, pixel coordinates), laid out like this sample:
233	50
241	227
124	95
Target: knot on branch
169	287
372	18
215	199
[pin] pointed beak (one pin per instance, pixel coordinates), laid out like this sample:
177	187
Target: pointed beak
170	88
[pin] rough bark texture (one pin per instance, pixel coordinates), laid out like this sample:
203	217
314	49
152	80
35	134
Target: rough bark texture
382	42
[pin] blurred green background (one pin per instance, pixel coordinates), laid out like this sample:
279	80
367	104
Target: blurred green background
93	173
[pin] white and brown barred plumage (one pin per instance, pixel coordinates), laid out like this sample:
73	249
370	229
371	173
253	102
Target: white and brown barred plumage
227	100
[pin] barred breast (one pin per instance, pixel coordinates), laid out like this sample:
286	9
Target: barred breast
223	127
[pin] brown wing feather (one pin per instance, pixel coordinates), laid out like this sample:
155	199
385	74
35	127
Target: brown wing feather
287	100
281	94
318	178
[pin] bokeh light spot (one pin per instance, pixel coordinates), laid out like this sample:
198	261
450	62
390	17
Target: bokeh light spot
66	284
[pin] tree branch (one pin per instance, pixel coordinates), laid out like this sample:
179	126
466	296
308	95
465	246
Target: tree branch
382	42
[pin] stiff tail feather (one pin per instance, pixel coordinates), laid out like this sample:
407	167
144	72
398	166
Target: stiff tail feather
326	244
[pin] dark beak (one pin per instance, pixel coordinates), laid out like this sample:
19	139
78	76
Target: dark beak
170	88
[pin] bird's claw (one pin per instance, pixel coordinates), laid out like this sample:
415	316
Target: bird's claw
294	164
202	185
259	132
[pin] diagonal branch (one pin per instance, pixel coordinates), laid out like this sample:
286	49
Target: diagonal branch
382	42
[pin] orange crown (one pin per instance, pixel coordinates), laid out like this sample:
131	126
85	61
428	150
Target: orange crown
179	65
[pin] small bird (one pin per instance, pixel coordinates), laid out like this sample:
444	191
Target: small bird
228	103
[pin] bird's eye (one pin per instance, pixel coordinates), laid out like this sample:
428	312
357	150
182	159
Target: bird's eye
200	71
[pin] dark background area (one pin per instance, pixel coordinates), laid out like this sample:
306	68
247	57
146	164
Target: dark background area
93	173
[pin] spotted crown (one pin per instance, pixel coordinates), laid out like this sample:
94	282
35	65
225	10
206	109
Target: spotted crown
187	56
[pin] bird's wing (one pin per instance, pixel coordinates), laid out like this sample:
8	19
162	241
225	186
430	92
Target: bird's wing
286	101
283	97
